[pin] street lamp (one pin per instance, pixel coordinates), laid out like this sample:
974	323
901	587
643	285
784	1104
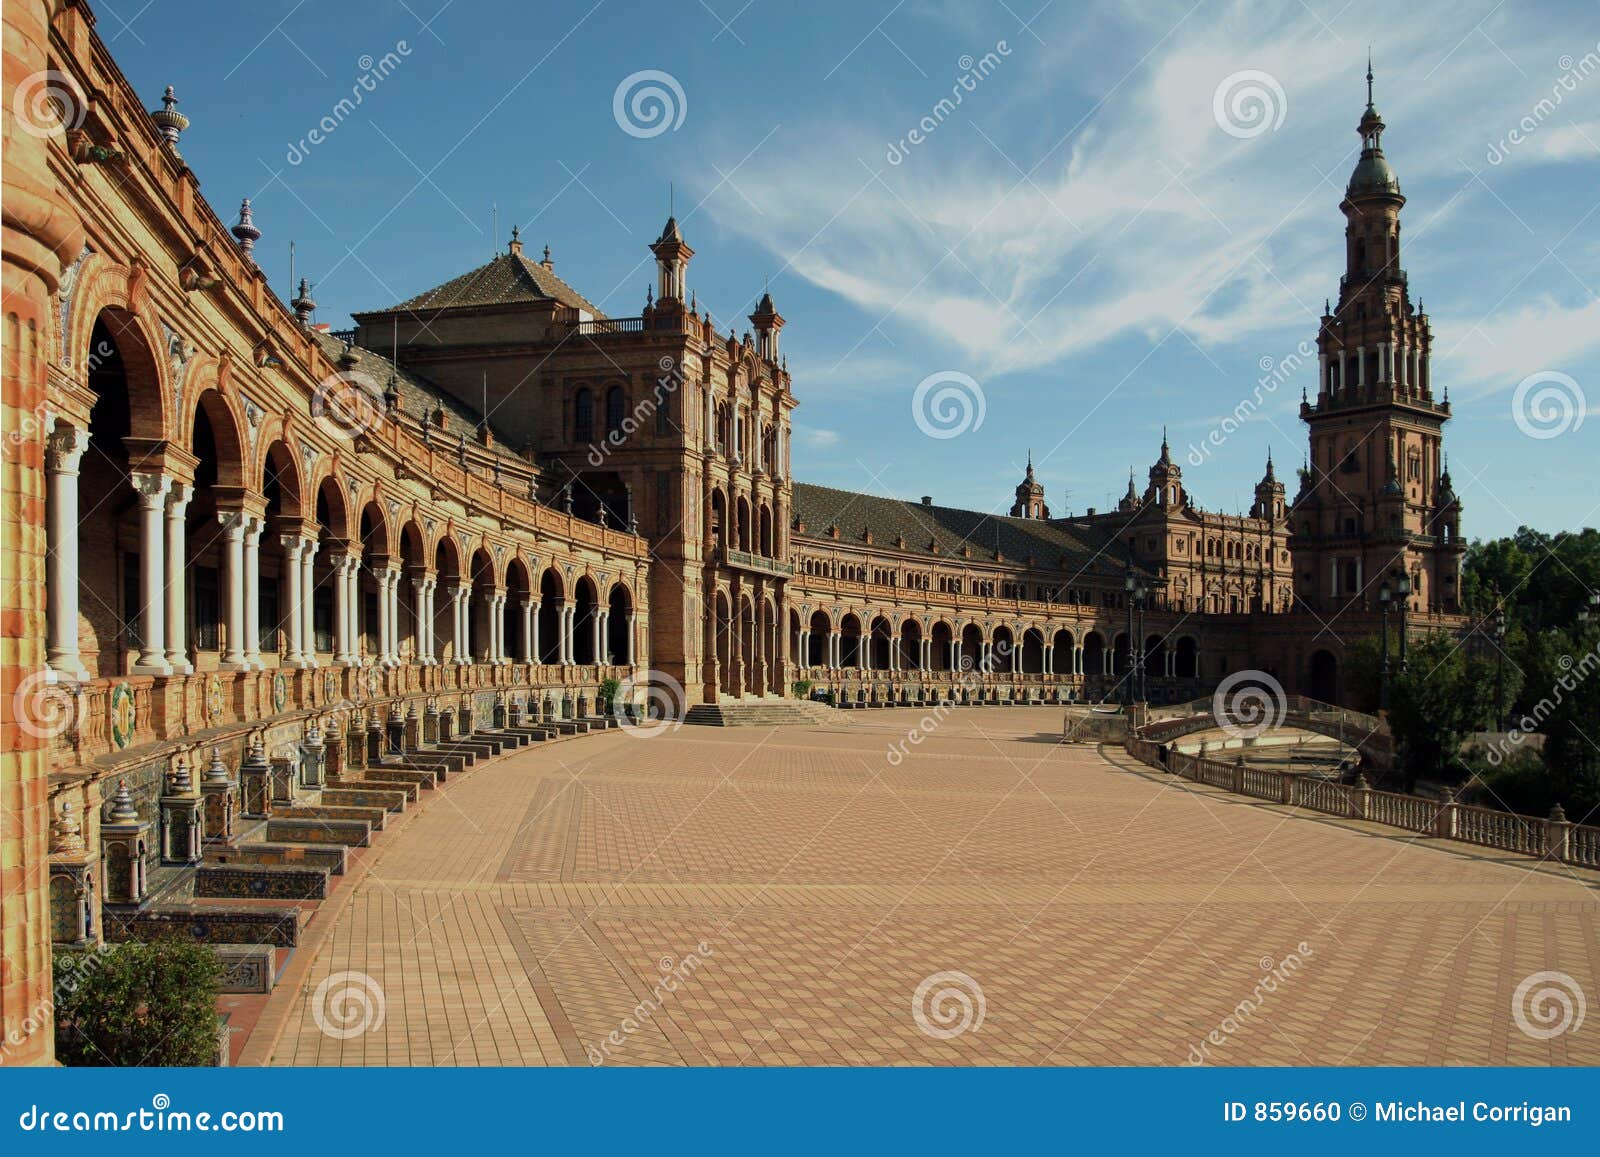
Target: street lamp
1403	589
1129	585
1385	597
1499	667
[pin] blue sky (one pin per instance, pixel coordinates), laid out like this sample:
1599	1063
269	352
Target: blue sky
1097	236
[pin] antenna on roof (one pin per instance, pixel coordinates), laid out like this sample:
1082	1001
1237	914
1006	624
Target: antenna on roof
494	214
672	200
486	395
394	342
291	267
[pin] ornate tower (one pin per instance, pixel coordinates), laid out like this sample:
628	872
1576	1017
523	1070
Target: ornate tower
672	264
1269	505
1030	496
1371	507
1166	480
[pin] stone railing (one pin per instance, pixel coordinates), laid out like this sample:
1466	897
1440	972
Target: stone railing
1554	838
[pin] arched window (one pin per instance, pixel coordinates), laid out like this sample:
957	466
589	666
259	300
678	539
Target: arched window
616	402
583	416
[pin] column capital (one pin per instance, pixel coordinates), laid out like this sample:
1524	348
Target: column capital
151	487
178	498
64	447
233	523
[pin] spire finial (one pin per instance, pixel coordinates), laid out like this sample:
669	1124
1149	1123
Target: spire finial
245	232
1369	76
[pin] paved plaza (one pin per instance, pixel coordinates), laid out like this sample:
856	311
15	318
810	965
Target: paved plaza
778	896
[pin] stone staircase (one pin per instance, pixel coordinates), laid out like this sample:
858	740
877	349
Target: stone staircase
250	896
760	711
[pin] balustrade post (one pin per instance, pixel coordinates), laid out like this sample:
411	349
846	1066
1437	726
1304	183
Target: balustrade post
1557	834
1360	797
1444	821
1238	775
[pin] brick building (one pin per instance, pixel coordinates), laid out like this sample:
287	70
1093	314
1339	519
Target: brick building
237	542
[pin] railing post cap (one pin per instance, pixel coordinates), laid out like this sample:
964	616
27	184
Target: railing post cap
1361	783
1557	815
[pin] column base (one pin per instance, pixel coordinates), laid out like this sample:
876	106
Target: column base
297	663
180	664
143	667
233	665
69	667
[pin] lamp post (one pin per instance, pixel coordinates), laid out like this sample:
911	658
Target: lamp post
1141	594
1499	668
1403	589
1128	586
1385	597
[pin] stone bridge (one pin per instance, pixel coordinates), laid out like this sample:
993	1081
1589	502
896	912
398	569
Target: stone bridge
1252	718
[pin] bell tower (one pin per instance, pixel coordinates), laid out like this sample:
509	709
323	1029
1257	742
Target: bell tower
1371	505
1030	496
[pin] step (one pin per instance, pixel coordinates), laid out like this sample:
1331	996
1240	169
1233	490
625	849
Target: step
423	780
329	857
374	817
259	882
350	833
203	923
391	800
247	968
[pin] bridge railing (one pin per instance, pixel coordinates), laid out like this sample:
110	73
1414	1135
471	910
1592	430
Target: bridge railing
1551	839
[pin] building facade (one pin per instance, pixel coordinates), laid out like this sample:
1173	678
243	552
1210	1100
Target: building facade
238	544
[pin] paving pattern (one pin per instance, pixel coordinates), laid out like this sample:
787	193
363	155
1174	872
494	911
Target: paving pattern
780	896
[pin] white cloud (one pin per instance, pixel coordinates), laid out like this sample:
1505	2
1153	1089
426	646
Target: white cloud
1498	352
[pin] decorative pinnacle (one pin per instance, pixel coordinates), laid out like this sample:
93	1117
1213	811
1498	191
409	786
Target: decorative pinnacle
245	231
181	781
66	834
216	770
302	304
122	809
1369	77
169	120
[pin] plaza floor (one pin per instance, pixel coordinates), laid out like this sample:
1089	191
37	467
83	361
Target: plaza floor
838	895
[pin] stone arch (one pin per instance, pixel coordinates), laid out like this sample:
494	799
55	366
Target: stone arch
1094	654
820	631
1032	656
882	640
1186	660
942	635
1061	650
552	601
586	603
910	645
619	625
104	314
214	414
850	641
1003	656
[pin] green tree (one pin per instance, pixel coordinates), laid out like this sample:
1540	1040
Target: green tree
137	1004
1441	697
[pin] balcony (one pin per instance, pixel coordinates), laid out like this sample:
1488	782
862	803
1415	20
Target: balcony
744	560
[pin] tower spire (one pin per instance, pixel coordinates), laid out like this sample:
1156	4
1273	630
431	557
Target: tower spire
1369	76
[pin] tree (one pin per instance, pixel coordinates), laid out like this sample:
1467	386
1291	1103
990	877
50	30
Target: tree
1434	704
137	1004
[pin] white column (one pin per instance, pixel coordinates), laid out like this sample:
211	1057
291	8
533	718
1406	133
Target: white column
602	637
1344	380
569	632
1049	658
430	648
594	629
528	623
341	607
1077	660
419	611
252	593
1361	366
292	544
463	595
391	595
233	528
1322	373
151	488
177	607
63	454
308	600
382	579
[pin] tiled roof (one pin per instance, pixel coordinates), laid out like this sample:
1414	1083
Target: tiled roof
891	519
418	396
508	279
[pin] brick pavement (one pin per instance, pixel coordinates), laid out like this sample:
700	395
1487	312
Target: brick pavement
777	896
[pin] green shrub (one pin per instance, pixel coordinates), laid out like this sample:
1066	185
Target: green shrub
608	694
801	688
137	1004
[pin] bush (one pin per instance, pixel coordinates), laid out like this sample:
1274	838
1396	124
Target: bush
801	688
608	694
137	1004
